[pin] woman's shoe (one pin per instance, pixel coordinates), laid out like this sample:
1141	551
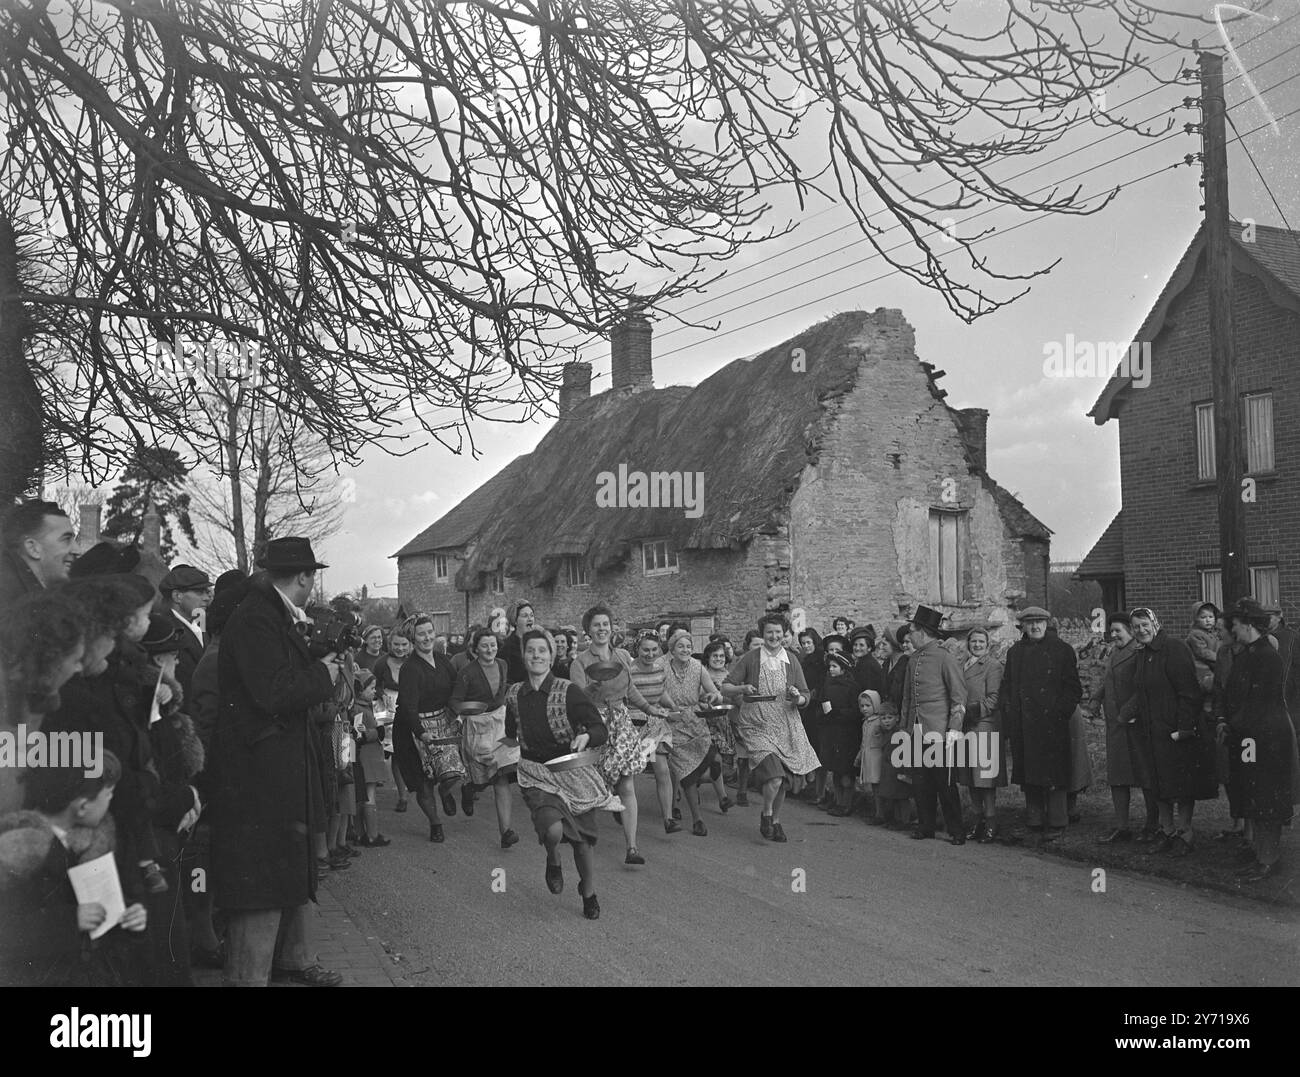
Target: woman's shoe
449	804
725	804
467	800
765	825
677	814
375	843
401	806
671	826
840	811
435	833
633	857
338	863
778	834
699	829
554	878
988	834
973	831
591	907
508	839
1119	834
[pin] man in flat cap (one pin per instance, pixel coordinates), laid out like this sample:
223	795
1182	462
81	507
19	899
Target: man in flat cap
186	590
934	705
1040	689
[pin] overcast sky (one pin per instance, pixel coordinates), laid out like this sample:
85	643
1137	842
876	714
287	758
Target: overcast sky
1041	444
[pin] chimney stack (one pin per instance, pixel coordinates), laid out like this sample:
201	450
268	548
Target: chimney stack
575	386
88	532
631	368
974	424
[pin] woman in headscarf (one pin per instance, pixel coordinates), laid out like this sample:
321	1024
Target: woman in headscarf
687	684
724	736
894	793
479	685
550	717
983	676
1261	742
1181	750
424	690
626	752
1128	758
771	728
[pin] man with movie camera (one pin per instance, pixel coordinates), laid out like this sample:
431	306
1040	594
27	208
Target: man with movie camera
268	795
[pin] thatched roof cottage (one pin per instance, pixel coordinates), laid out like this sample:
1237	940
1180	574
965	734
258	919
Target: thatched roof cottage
826	475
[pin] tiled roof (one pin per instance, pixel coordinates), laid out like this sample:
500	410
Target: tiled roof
1106	558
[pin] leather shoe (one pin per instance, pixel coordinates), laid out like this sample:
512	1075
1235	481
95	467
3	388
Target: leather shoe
508	839
671	826
778	834
591	907
765	825
957	839
974	830
633	857
1119	834
699	829
724	804
467	800
554	878
436	834
312	976
988	834
449	804
401	806
920	835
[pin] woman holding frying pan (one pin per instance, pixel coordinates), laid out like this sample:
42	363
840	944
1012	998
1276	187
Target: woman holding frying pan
603	671
556	725
479	699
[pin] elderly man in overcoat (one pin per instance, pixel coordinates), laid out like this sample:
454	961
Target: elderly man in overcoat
268	799
1040	689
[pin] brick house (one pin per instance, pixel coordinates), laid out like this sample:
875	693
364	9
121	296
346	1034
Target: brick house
1162	549
848	487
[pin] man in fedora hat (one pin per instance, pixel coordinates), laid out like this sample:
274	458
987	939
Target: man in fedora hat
186	590
268	802
934	704
1040	689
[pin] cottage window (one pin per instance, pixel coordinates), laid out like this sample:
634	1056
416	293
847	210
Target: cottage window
576	573
440	568
1264	585
946	530
497	581
441	623
655	558
1256	436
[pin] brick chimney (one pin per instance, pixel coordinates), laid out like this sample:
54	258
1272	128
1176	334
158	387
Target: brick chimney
629	353
974	425
575	387
88	532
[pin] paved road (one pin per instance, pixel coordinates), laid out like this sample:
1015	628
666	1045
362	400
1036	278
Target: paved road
878	909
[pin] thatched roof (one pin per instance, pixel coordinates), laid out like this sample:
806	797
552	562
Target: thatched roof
751	428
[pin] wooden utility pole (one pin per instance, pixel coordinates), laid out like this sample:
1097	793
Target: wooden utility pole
1233	562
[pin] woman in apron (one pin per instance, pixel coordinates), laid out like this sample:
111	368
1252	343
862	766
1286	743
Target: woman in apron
479	698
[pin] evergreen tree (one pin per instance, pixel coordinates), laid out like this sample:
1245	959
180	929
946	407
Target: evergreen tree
153	476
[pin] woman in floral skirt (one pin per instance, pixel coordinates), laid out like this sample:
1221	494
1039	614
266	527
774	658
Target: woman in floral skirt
626	752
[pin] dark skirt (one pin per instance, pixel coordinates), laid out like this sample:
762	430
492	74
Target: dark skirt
407	759
840	744
547	809
698	774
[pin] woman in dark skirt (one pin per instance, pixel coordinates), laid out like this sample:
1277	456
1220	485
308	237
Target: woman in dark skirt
551	717
426	729
482	683
841	732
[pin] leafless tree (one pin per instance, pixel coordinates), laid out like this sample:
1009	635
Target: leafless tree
424	195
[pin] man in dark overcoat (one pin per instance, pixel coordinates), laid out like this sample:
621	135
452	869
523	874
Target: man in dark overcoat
267	784
1040	689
